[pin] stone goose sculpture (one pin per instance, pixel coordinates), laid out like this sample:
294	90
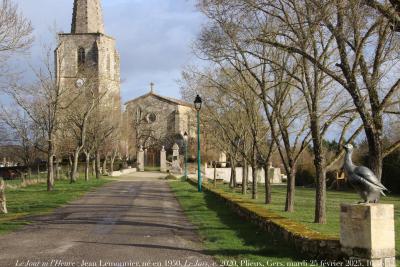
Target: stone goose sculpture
362	179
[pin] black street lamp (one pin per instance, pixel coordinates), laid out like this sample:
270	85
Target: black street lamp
197	105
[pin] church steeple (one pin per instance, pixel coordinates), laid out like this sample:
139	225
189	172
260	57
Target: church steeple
87	17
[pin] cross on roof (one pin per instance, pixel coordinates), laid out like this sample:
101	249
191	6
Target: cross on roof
152	87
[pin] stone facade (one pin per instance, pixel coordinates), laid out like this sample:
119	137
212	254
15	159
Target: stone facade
158	121
88	54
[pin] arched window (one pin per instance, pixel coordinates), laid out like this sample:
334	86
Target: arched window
81	56
95	54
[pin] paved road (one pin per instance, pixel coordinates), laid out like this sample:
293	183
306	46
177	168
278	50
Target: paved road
134	221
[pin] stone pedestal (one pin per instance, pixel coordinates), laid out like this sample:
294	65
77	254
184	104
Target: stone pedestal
3	205
140	159
274	175
367	234
163	160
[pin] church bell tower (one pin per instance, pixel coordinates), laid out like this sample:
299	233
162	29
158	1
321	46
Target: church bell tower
87	53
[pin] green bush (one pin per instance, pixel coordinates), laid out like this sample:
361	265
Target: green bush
391	172
304	178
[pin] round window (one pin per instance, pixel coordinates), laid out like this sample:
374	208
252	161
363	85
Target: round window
151	117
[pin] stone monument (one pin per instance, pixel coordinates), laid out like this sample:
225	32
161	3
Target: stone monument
3	205
140	159
222	159
163	160
274	174
176	162
367	234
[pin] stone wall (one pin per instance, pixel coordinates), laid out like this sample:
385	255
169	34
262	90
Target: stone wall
225	174
310	244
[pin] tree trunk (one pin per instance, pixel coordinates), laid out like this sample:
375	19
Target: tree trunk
112	160
98	165
215	173
268	195
93	166
319	163
254	171
50	163
232	183
320	198
234	174
244	178
74	167
291	186
57	169
375	155
3	203
254	183
87	166
105	165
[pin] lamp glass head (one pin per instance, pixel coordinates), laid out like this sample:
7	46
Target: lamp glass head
185	136
198	103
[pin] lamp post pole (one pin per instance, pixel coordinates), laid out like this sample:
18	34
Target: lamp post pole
186	138
197	103
198	153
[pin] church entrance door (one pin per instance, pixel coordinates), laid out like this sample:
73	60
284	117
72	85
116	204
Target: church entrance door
152	159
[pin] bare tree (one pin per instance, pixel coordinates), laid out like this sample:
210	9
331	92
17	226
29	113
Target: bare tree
15	32
43	102
77	117
367	58
104	123
26	135
390	9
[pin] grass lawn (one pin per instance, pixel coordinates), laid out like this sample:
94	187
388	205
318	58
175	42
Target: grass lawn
35	200
227	237
304	207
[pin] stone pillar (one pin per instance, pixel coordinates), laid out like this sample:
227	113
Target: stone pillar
163	160
222	159
176	162
140	159
145	158
3	205
367	234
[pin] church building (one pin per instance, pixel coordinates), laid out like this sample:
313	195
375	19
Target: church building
87	53
158	121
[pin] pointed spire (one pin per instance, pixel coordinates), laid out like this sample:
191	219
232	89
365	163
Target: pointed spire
87	17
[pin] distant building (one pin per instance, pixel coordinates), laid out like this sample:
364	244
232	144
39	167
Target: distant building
158	121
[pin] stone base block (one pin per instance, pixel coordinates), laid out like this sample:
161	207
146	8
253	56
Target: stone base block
367	233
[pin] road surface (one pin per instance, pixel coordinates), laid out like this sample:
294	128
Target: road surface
135	221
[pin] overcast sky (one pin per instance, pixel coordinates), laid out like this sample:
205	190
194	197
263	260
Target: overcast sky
154	37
